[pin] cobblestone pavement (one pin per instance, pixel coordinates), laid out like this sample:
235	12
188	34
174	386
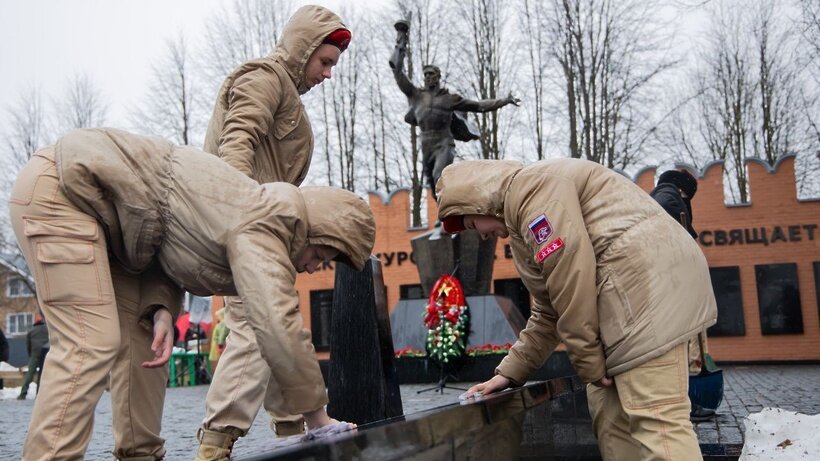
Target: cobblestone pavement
748	389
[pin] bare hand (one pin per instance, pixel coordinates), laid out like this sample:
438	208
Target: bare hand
163	339
604	382
513	100
494	384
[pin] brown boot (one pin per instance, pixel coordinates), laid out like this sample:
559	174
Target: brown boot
288	428
140	458
216	445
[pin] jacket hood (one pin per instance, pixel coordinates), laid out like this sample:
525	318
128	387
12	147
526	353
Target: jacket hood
475	187
683	180
340	219
303	33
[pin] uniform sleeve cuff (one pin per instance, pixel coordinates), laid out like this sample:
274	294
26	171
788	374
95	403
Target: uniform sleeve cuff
515	373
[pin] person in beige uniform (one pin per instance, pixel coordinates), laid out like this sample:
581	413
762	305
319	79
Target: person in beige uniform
611	275
153	208
260	127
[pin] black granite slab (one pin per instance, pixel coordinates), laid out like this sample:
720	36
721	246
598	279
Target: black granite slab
362	381
545	420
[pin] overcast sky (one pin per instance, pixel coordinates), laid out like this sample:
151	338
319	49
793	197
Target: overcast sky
43	42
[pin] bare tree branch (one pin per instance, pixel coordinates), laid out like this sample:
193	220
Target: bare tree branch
173	106
82	105
25	133
241	31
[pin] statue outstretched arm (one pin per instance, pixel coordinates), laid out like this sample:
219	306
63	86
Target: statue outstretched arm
483	105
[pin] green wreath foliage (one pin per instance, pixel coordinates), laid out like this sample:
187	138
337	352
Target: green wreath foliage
448	327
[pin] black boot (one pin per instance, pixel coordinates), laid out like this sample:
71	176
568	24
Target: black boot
699	414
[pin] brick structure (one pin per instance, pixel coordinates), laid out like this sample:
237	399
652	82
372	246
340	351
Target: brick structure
773	233
773	238
18	304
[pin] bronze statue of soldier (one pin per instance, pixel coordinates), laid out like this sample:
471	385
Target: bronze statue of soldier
437	112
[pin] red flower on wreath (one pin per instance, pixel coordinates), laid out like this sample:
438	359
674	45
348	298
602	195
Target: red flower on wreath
447	320
446	297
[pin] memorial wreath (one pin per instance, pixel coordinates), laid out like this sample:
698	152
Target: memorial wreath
447	319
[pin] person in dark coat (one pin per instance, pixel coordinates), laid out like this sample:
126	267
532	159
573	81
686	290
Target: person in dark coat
674	193
37	346
4	351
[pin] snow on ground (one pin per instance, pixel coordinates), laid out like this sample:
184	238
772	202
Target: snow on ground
776	434
6	367
11	393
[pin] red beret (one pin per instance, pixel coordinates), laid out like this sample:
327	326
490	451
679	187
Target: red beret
340	38
453	224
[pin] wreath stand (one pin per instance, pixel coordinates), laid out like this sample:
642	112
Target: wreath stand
447	309
442	383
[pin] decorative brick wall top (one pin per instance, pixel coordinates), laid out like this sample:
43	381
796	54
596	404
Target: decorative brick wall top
774	228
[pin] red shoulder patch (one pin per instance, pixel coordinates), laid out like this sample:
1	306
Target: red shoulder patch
549	249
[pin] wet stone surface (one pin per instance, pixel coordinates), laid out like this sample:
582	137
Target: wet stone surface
748	389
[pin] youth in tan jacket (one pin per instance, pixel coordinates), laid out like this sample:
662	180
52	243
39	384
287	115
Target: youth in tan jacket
171	218
610	273
259	125
215	231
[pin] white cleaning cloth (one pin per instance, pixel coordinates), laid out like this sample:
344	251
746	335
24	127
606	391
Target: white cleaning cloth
313	434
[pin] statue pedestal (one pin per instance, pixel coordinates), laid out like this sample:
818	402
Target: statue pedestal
438	256
493	320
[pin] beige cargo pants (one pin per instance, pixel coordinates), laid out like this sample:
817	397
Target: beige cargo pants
243	381
91	309
645	414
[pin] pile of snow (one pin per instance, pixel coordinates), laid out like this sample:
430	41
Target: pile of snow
776	434
10	393
6	367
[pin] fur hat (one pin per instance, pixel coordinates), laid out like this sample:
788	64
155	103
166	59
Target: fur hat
681	179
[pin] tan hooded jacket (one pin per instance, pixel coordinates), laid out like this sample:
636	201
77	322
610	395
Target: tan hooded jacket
215	231
259	125
610	273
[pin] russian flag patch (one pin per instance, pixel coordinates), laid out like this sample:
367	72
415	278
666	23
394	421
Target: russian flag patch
541	229
548	250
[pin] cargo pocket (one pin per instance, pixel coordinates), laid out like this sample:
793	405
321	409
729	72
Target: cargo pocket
66	258
614	312
660	381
